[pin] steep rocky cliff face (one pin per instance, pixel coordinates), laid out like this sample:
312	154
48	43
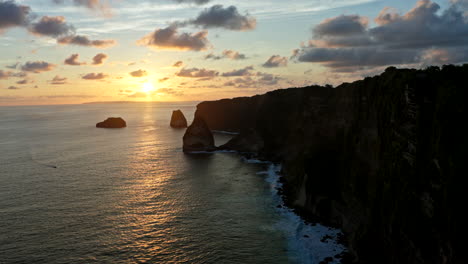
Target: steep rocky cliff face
384	158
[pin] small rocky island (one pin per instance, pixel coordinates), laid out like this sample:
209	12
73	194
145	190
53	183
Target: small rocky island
112	122
198	137
178	119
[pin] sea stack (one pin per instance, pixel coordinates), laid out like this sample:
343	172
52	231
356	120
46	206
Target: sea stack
112	122
178	119
198	137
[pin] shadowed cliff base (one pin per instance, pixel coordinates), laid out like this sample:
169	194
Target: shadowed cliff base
383	158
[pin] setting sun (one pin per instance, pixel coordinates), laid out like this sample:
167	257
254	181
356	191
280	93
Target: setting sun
148	87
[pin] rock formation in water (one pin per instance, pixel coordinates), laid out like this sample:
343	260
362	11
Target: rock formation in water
112	122
178	119
384	158
198	137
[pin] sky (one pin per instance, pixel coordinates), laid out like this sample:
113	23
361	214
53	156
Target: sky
76	51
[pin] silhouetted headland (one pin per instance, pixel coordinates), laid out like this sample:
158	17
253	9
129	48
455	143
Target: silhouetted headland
382	158
112	122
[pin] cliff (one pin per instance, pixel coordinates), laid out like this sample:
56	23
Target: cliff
383	158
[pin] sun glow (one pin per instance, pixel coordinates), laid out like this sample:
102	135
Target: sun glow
148	87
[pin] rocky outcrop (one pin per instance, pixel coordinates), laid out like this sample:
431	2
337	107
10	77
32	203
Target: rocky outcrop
383	158
112	122
247	142
198	137
178	119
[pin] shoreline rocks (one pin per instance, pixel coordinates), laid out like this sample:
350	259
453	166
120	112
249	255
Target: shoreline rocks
112	122
198	137
178	119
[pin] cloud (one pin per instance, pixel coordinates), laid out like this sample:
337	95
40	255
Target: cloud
227	54
13	88
95	5
24	81
4	74
241	72
169	91
52	27
94	76
229	18
99	59
422	35
85	41
138	95
163	79
12	66
57	80
7	74
12	15
169	38
257	80
197	73
37	66
198	2
139	73
178	64
73	60
276	61
268	79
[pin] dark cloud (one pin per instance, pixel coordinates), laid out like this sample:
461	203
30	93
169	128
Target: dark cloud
197	73
73	60
178	64
227	54
139	73
57	80
169	38
241	72
13	88
198	2
85	41
163	79
423	35
37	66
267	78
229	18
24	81
52	27
94	76
99	58
12	14
276	61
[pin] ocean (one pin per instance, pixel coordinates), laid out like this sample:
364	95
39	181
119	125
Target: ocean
74	193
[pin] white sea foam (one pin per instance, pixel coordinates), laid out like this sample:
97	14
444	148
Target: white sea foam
304	240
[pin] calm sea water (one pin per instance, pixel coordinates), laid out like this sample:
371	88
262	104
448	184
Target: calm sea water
73	193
